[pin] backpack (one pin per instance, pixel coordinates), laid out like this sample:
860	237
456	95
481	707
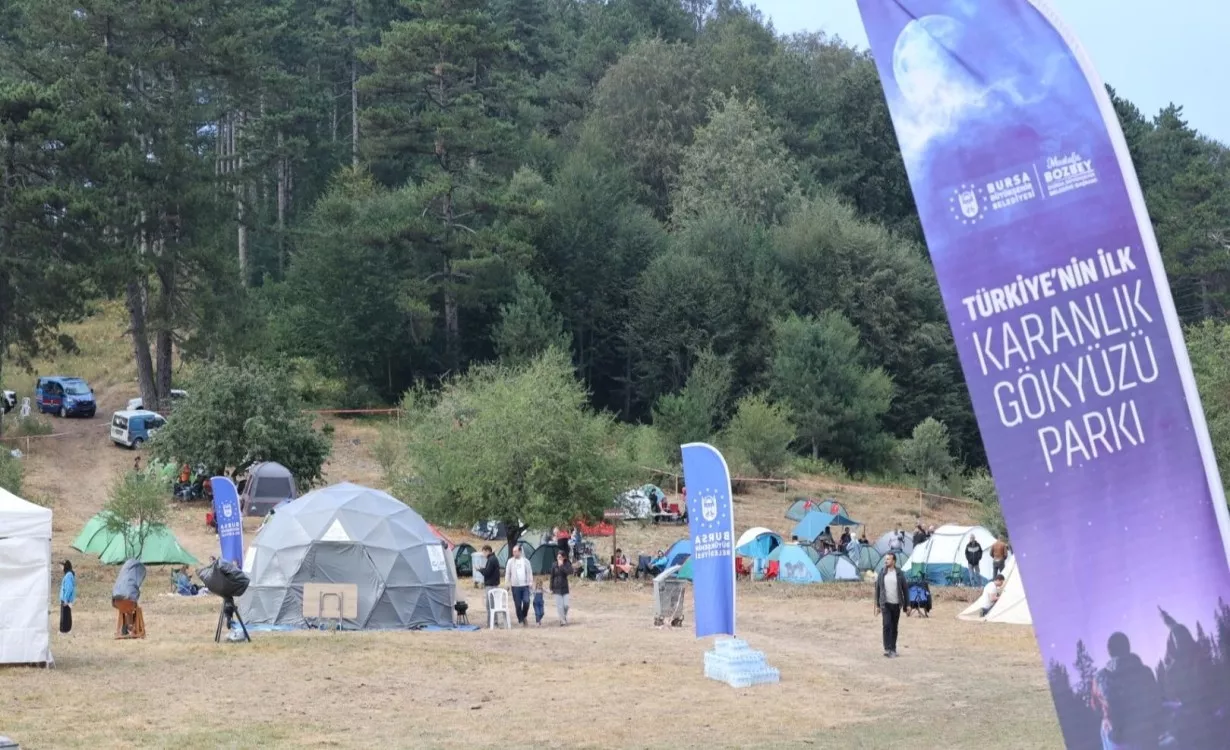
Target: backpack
1132	701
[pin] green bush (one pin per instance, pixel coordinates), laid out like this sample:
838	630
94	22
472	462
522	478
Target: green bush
981	487
31	426
761	431
12	471
926	456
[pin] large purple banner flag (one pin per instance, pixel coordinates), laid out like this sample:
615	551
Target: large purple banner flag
1075	362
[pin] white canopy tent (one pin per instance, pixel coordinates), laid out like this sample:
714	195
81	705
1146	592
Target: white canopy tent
25	581
1012	607
945	549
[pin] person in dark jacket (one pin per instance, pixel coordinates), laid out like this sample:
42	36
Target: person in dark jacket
891	596
1127	697
920	535
973	556
560	573
491	575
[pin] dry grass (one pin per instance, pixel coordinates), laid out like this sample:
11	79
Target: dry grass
609	680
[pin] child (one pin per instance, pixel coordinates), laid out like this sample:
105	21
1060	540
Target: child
539	606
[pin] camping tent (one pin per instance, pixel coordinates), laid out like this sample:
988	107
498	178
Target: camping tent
794	566
757	542
841	519
864	556
941	559
25	580
675	554
886	539
1012	607
802	505
542	558
463	560
160	548
267	485
501	554
350	534
94	538
813	525
837	567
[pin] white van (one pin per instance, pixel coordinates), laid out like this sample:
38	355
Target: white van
131	428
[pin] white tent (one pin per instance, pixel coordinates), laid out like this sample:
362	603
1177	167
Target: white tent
1012	607
945	549
25	580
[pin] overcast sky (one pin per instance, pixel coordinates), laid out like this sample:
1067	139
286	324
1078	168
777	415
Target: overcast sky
1153	52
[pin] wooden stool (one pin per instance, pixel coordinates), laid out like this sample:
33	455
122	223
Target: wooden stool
129	618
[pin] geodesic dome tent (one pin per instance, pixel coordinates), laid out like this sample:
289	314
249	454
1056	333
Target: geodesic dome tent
350	534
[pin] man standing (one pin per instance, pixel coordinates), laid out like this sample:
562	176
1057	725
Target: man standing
999	556
520	579
973	556
891	594
491	577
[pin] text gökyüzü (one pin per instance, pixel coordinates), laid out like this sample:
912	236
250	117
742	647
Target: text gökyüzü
1103	370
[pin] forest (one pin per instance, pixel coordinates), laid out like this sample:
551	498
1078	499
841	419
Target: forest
712	218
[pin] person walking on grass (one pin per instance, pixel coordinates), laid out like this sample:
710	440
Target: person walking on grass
891	594
68	595
560	573
520	579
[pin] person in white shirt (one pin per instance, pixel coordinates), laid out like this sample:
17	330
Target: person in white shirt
520	579
991	593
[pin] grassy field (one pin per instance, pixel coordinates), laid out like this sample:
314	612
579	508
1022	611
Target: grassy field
609	680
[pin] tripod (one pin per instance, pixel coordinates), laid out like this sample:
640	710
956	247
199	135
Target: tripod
230	612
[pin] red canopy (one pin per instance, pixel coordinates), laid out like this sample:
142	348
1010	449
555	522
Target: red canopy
446	540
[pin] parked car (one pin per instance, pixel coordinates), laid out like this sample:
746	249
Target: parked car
136	404
139	403
9	401
131	428
66	396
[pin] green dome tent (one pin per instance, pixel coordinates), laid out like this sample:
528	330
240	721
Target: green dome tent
161	548
527	551
94	538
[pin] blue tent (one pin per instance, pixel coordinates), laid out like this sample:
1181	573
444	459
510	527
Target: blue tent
841	519
760	546
837	567
676	555
794	566
812	525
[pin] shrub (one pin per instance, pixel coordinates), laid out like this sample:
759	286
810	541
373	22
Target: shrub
762	433
926	457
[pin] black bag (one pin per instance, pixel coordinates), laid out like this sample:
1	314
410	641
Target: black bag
224	579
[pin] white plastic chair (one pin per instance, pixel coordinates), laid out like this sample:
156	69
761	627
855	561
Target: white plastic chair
497	604
25	407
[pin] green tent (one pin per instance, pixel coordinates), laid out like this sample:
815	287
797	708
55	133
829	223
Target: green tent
94	538
685	572
161	548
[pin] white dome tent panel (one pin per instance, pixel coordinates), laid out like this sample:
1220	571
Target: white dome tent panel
354	535
1012	607
942	556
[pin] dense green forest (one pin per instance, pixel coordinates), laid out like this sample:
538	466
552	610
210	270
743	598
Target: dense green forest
713	218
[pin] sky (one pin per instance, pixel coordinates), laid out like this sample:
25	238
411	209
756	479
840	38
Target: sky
1153	53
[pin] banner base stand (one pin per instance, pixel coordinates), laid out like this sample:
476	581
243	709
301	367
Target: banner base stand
733	662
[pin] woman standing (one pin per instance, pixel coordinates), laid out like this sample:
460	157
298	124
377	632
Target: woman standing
68	595
560	573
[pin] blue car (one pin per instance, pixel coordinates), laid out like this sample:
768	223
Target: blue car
56	394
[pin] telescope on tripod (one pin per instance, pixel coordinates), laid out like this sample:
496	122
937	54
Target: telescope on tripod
227	581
